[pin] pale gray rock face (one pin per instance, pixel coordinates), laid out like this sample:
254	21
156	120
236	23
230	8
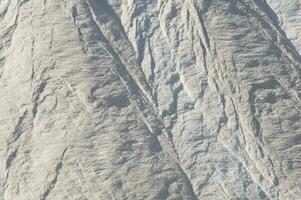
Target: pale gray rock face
150	99
287	15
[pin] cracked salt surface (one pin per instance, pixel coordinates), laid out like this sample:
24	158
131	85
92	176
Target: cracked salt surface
143	99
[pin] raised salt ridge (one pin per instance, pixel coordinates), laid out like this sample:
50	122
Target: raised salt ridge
150	99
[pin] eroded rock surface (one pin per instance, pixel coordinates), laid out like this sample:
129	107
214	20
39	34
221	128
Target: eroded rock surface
150	99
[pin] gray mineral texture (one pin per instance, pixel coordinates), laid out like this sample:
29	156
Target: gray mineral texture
150	99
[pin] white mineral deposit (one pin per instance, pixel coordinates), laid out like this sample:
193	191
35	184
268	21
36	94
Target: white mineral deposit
150	99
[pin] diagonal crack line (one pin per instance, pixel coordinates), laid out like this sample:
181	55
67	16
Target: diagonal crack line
17	132
58	169
144	106
288	46
11	158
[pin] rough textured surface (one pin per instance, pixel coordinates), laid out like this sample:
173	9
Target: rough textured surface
150	99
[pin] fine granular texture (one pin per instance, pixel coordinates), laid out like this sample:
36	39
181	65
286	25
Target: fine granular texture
150	99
